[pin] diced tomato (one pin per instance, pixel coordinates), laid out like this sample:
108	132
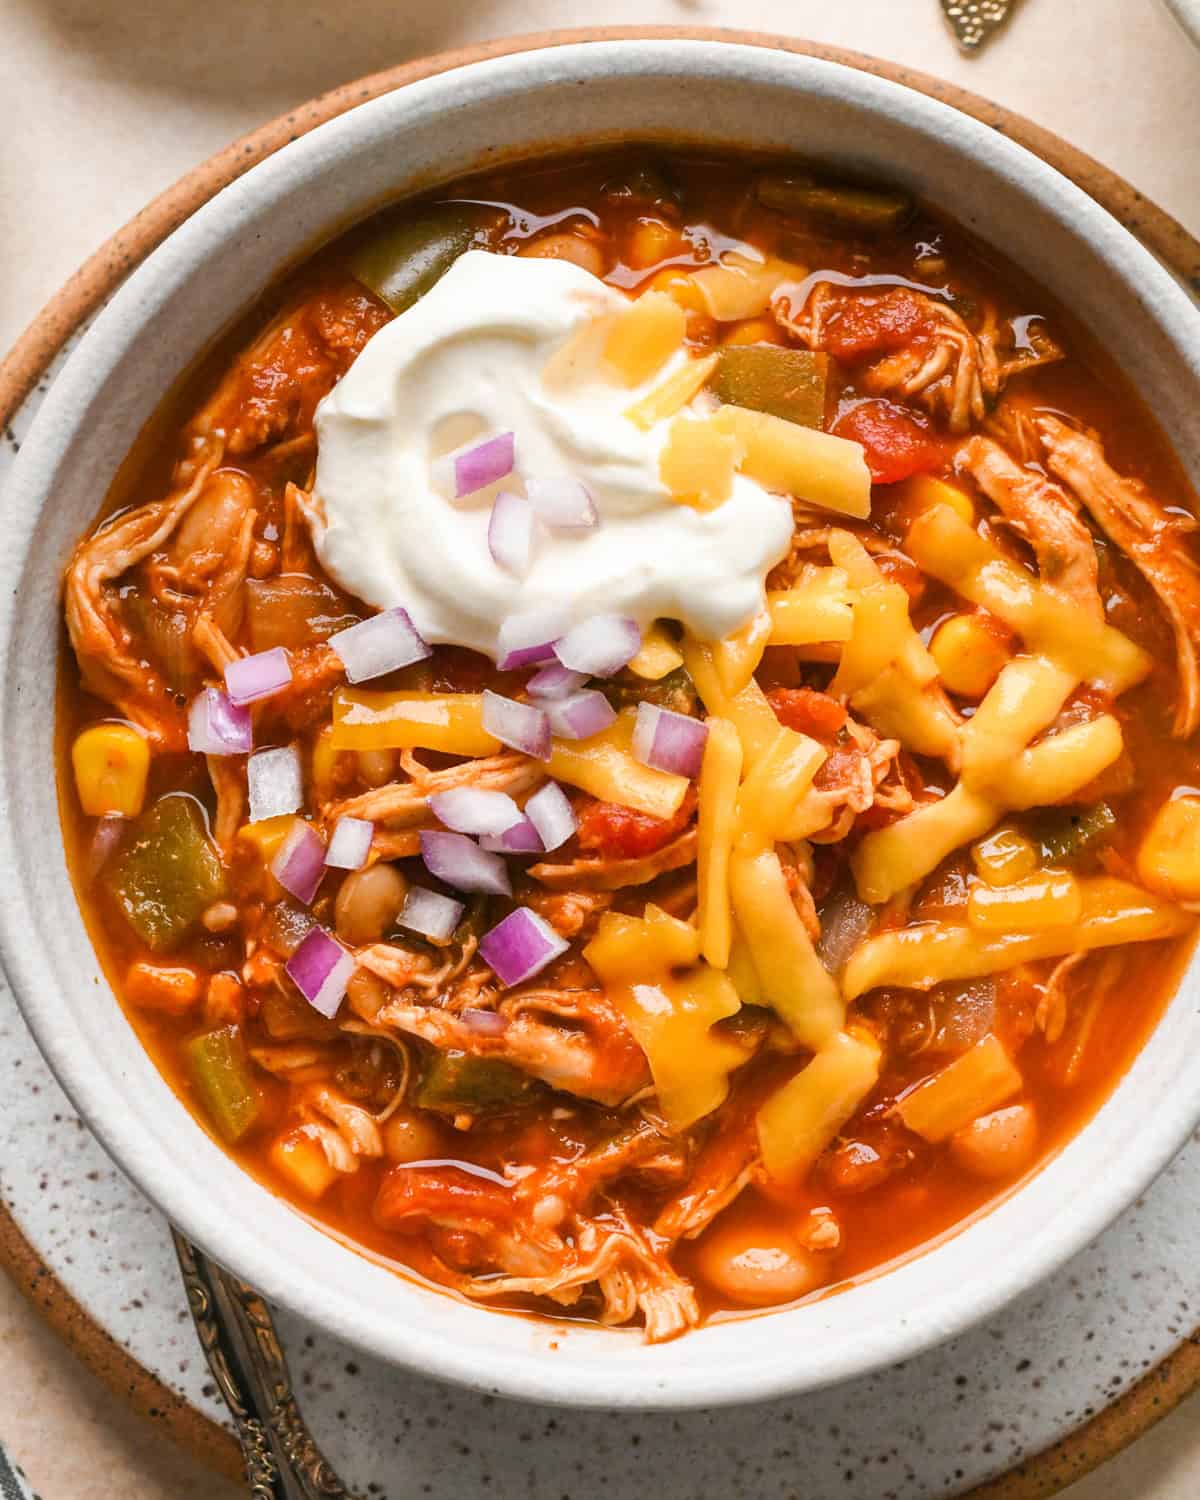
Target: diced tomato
896	444
807	711
615	832
870	323
409	1197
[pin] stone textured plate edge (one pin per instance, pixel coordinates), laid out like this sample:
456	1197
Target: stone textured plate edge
1156	1394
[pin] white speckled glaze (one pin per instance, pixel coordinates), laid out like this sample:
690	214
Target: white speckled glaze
170	309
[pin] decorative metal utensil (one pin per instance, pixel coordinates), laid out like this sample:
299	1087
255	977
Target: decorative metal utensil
974	21
243	1351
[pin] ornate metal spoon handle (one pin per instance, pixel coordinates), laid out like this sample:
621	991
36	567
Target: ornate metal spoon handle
243	1351
973	21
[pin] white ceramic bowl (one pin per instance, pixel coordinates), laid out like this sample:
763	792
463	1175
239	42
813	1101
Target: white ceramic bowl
190	290
1187	13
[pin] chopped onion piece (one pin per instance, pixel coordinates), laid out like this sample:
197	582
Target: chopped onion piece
484	1022
668	741
431	914
562	502
552	815
217	726
520	947
458	861
600	646
555	681
581	715
350	846
384	643
251	678
525	640
521	838
470	809
510	533
520	726
105	838
299	861
320	969
275	782
474	466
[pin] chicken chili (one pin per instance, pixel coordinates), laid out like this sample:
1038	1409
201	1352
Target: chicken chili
633	735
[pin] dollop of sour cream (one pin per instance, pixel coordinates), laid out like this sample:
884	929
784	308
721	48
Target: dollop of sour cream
468	360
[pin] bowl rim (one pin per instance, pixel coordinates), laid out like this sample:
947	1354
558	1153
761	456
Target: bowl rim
1122	1185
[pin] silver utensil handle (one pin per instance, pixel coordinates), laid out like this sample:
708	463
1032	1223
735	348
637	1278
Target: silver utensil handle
244	1354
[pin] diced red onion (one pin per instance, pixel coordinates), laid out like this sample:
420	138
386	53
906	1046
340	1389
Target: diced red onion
251	678
460	862
521	838
562	502
350	845
217	726
320	969
299	861
520	726
520	946
552	815
471	809
555	681
581	715
474	466
484	1022
431	914
668	741
384	643
525	640
600	646
510	533
275	782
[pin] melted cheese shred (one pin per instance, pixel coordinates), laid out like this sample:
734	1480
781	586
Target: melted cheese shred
1001	768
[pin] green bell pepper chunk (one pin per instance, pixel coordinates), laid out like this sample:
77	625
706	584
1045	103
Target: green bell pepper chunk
839	205
221	1076
787	383
167	873
456	1082
401	264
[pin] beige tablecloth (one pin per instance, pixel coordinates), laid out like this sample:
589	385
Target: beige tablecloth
105	102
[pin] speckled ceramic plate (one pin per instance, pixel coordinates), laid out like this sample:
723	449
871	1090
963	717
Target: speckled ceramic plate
944	1422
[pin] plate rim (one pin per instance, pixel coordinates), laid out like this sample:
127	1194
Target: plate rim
1155	1394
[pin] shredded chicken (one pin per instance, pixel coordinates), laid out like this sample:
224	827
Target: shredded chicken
1152	537
407	802
944	365
346	1132
612	874
103	646
594	1057
1045	515
229	783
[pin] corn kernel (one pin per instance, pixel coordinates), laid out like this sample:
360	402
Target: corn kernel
266	837
969	655
1004	857
754	331
650	241
171	989
299	1158
1169	858
111	764
1049	899
923	492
